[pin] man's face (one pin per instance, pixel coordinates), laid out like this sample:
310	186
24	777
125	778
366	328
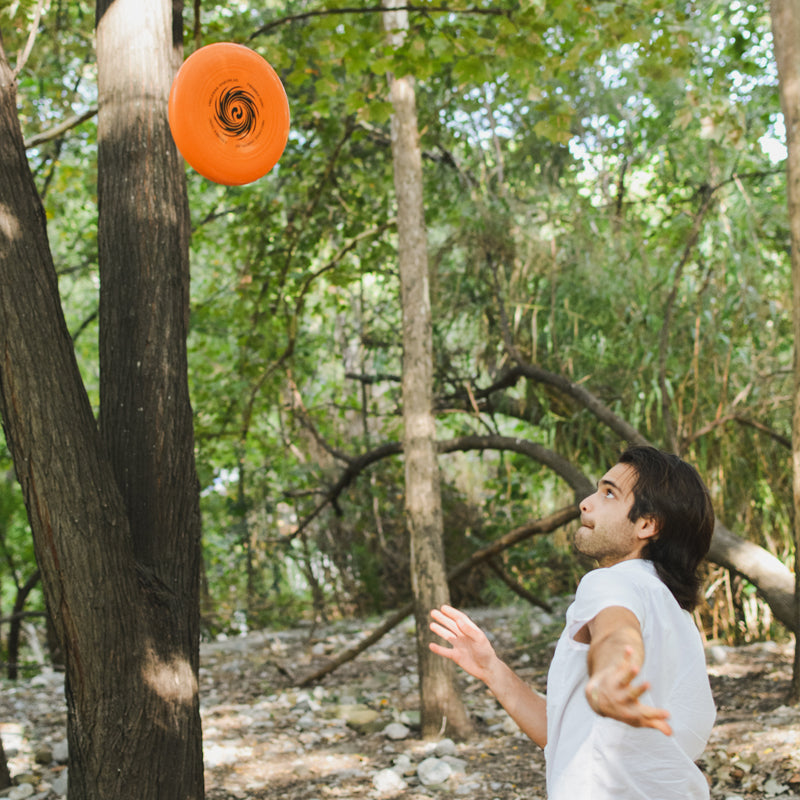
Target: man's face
606	532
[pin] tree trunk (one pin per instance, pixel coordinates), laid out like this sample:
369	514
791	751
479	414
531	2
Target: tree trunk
15	626
115	518
442	708
785	15
5	775
773	581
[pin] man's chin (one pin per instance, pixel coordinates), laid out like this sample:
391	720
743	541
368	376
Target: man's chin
581	541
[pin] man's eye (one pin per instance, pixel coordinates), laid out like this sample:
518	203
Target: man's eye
608	493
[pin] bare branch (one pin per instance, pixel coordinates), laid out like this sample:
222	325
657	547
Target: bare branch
536	452
357	464
518	589
583	397
60	129
305	420
26	51
368	380
783	441
85	324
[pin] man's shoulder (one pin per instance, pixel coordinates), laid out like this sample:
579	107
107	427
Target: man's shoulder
633	584
608	586
633	571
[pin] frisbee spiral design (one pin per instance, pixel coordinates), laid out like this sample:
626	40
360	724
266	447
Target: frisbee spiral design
237	112
228	113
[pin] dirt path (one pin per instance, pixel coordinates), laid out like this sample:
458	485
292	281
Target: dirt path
306	752
265	738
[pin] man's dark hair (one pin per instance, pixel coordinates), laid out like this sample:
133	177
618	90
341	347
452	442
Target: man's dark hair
671	492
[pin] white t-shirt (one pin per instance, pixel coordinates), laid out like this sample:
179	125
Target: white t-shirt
590	757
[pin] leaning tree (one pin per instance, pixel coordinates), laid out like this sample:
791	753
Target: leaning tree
113	502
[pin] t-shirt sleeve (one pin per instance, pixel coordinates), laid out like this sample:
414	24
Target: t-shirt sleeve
599	589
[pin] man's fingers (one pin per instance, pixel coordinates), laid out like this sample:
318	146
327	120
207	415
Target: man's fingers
623	703
441	650
635	692
446	620
663	726
456	621
440	630
449	612
649	717
656	718
459	618
442	625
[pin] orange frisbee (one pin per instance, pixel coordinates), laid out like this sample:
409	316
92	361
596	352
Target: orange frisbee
229	114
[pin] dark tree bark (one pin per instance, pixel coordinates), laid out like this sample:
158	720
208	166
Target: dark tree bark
114	512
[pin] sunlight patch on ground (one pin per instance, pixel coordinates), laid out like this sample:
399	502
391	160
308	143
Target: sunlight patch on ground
241	742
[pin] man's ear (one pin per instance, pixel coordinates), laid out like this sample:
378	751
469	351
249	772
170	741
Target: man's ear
647	527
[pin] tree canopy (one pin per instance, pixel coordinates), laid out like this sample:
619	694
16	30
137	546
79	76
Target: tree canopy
605	202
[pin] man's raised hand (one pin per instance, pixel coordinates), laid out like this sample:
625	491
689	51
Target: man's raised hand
473	652
469	646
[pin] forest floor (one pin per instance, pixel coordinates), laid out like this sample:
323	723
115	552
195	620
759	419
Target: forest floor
266	738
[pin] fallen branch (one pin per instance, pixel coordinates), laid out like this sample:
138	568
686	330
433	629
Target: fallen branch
348	655
546	525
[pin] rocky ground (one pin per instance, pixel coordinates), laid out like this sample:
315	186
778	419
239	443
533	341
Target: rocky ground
354	734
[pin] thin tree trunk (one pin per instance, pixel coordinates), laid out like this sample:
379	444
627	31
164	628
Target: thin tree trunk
441	707
5	775
16	624
785	16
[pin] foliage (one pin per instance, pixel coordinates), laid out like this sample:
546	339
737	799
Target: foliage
601	198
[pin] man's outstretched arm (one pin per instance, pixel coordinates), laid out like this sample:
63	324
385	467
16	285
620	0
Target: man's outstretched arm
616	655
473	652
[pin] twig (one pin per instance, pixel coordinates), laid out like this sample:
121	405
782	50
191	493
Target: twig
26	51
783	441
517	587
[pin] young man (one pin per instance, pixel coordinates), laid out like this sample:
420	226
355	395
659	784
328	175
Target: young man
628	706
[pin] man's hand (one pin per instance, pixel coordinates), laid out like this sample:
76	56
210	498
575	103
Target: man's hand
469	646
611	693
473	652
